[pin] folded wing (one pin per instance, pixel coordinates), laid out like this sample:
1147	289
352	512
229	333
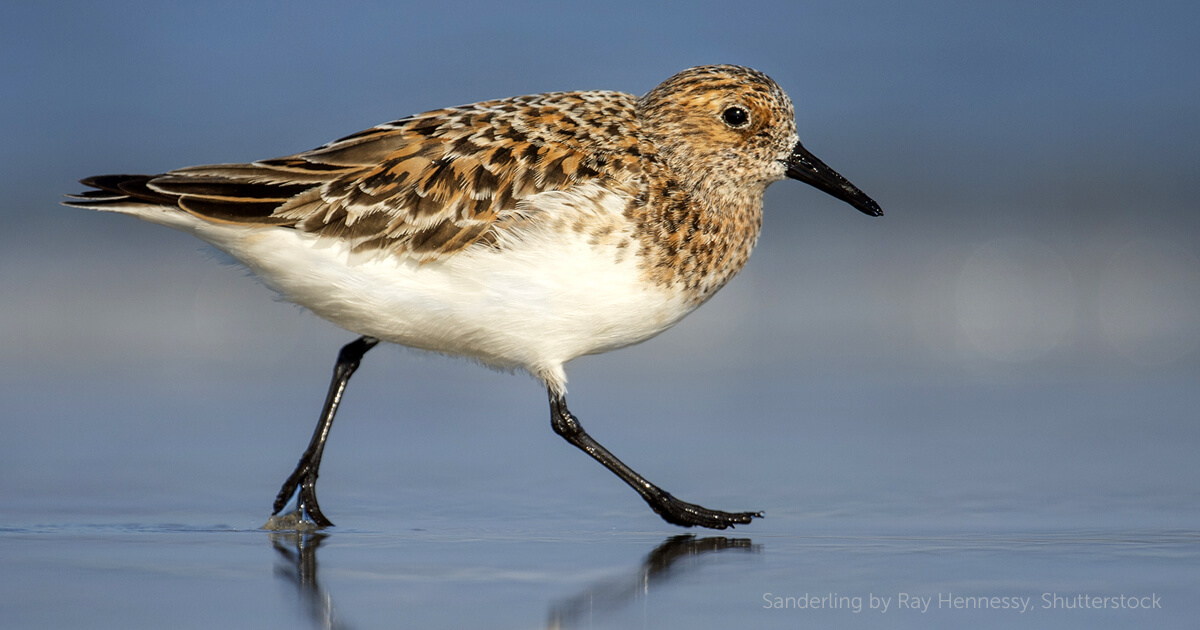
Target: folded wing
427	185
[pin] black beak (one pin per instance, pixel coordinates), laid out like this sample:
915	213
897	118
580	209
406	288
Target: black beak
805	167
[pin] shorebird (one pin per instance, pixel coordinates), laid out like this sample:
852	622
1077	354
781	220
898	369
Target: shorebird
521	233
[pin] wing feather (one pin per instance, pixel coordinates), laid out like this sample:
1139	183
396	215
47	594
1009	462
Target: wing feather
427	185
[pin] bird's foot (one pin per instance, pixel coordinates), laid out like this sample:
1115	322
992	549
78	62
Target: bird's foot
307	515
686	514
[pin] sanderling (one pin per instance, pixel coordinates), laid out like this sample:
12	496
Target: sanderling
521	232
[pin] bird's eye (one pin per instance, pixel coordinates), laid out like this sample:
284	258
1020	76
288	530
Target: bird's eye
735	117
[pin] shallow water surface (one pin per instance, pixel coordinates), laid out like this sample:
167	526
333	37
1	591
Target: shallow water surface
176	576
1019	504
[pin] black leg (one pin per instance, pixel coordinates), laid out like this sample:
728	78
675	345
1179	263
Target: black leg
671	509
305	475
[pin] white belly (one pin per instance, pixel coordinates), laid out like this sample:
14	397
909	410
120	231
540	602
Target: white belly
533	305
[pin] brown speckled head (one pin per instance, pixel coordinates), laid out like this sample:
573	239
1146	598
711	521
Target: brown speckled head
721	126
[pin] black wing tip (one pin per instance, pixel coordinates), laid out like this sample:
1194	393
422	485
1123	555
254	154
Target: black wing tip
119	188
112	183
209	197
106	192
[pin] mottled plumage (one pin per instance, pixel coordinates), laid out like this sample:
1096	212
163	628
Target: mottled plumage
521	232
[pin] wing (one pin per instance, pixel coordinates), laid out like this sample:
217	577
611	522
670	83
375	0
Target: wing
427	185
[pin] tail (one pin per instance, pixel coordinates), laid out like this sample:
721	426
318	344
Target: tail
181	201
120	193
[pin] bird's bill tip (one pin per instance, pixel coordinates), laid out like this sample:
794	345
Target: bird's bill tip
804	166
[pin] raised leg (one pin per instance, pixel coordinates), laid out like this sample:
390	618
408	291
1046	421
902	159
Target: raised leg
671	509
305	475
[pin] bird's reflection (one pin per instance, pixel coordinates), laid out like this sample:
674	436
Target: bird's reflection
676	556
298	564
